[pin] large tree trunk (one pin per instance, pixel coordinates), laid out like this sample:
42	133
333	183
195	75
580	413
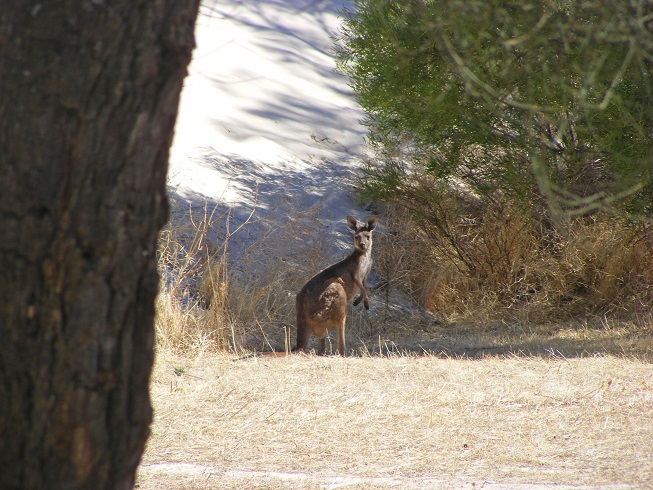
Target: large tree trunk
88	99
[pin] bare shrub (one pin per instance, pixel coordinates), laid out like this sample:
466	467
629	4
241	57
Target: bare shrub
607	266
487	263
191	309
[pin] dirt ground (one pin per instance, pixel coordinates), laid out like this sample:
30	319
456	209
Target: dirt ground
399	422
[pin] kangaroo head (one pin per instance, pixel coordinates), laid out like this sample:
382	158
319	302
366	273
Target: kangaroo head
362	233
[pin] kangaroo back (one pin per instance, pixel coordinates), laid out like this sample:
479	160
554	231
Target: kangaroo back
322	302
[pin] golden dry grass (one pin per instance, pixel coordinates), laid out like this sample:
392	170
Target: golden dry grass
399	422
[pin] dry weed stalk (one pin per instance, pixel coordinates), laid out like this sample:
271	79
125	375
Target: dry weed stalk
192	309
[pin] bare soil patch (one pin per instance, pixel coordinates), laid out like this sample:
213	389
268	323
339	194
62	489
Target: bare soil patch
399	422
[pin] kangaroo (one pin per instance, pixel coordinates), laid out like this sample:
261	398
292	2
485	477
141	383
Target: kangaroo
322	302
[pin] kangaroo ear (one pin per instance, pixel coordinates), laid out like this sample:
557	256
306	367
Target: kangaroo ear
371	223
353	223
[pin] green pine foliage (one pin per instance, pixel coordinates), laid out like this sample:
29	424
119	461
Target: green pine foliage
548	103
517	137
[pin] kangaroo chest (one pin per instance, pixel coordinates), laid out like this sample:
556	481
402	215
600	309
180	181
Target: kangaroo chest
365	264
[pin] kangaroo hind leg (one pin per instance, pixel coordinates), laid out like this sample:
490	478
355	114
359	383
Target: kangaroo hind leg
321	346
340	337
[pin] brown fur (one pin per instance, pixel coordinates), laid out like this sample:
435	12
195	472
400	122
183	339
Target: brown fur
322	302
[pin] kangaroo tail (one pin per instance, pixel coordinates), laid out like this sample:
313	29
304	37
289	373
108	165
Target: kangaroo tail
302	330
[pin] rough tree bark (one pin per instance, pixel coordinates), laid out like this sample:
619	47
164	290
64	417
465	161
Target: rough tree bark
88	99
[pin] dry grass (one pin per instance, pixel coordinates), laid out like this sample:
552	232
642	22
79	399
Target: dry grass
596	283
398	421
485	398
